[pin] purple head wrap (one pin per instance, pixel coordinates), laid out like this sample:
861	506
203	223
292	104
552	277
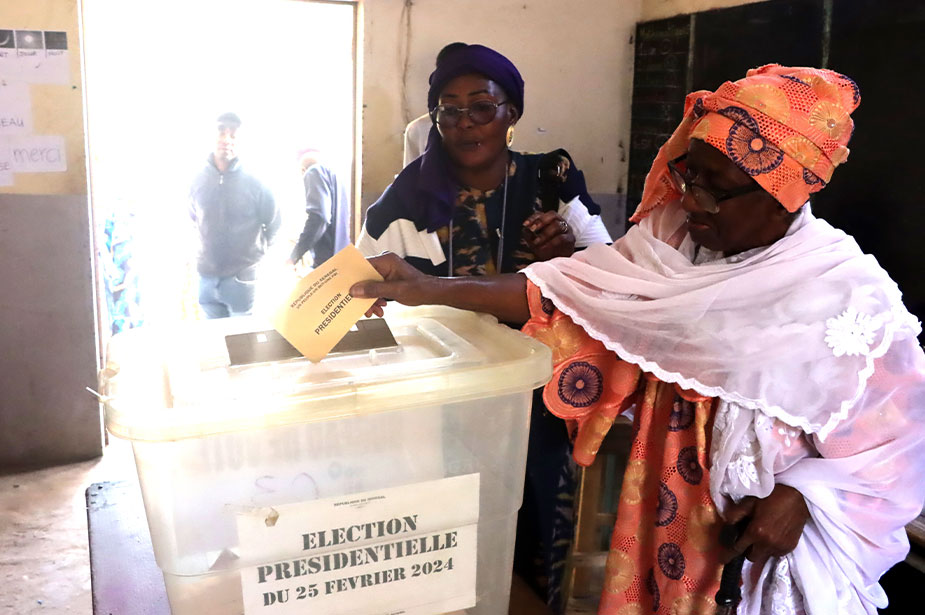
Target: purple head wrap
428	183
484	61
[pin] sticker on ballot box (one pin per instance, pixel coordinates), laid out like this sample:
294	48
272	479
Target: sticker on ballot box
409	550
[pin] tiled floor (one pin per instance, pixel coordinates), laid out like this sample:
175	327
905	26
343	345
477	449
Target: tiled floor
44	561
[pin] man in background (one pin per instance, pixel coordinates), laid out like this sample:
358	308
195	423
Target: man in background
417	129
326	228
237	219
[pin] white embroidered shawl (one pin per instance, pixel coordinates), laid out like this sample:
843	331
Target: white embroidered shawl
791	329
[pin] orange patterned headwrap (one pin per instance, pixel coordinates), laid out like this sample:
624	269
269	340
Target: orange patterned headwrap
786	127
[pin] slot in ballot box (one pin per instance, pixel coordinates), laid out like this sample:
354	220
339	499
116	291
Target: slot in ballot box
375	481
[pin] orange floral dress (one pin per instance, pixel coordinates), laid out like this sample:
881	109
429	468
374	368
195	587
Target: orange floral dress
664	552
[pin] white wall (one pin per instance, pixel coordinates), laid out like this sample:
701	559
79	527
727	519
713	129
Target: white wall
659	9
576	58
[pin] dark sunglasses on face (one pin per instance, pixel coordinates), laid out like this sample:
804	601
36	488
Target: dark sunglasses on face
707	199
480	112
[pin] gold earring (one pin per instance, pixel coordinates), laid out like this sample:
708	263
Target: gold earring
510	135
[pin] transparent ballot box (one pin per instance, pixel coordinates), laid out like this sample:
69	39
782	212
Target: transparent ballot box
381	480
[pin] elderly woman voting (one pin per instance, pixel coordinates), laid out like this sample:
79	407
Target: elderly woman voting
773	373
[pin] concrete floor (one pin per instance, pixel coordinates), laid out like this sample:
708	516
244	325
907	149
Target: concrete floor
44	556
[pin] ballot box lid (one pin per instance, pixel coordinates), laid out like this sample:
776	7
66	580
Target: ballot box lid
163	383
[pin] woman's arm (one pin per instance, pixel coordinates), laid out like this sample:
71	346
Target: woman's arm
503	296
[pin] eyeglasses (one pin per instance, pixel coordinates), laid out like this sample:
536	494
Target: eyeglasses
707	199
480	112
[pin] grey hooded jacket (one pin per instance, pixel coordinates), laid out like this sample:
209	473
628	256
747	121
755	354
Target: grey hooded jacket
237	220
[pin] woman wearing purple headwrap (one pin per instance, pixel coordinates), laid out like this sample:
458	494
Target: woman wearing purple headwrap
470	206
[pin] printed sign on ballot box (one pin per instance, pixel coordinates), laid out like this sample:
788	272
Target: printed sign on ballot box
409	550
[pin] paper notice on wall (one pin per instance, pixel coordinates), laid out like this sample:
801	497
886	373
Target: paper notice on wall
320	310
15	109
6	165
37	154
35	56
409	550
9	64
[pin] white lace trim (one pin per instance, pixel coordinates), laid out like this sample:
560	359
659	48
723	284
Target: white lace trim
742	467
785	598
745	470
725	416
899	318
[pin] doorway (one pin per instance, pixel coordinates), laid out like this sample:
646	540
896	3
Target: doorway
157	77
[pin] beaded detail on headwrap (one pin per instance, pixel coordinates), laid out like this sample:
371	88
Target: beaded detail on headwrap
786	127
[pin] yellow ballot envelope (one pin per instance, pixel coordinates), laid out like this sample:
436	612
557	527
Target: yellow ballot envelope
320	309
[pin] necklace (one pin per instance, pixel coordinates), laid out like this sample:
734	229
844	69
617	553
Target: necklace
499	231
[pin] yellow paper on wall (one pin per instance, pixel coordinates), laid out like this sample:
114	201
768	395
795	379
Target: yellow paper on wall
320	309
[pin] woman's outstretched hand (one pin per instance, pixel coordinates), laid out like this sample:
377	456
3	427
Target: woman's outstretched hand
504	296
402	282
549	235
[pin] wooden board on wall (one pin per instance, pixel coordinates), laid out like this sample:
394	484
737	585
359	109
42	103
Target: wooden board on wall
660	82
728	42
